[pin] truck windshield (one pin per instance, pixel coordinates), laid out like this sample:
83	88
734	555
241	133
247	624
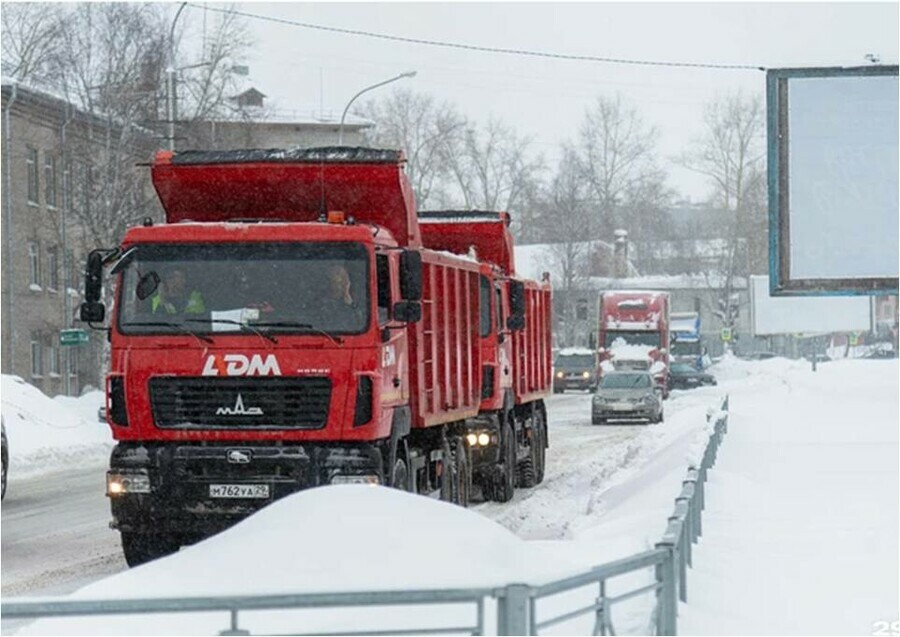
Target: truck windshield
631	338
281	287
681	348
575	361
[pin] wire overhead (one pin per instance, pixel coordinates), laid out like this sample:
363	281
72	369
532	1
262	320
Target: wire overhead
483	49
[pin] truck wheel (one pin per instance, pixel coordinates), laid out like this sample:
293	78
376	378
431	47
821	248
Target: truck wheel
447	473
506	481
5	462
541	463
400	475
463	481
140	548
526	470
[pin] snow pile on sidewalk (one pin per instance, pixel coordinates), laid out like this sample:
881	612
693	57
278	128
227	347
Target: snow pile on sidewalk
800	528
49	434
338	539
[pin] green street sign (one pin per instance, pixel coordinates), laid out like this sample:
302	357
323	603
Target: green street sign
73	337
726	334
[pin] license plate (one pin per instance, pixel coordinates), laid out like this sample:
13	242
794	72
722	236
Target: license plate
239	491
622	407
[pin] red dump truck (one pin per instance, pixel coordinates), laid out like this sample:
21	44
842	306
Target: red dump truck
634	332
286	328
511	429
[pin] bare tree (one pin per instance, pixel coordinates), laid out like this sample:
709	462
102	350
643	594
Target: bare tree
731	153
424	129
493	168
30	31
616	152
564	218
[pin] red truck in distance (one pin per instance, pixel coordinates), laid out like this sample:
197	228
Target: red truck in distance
634	332
285	328
508	439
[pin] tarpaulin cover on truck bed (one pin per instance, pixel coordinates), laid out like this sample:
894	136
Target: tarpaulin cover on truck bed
288	185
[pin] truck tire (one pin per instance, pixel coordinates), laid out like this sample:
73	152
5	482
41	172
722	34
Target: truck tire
506	480
463	477
448	469
400	475
541	463
140	548
526	470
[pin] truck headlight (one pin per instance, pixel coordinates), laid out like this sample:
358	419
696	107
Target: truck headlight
124	482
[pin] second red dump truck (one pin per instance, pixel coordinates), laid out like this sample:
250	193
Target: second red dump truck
287	328
634	332
515	330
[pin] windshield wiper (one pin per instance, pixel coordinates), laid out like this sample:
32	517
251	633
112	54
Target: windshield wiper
337	340
177	326
247	326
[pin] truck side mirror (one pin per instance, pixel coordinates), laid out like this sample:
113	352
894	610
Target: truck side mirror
411	275
407	311
93	277
92	312
516	319
515	322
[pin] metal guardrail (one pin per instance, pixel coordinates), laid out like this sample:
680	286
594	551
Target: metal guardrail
517	612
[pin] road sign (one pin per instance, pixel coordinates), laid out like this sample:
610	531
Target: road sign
726	334
73	337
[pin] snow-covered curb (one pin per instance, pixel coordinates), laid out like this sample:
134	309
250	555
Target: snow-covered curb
47	435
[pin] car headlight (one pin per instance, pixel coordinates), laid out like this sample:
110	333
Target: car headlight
586	375
649	399
560	374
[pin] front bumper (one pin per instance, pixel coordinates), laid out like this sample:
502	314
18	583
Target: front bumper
633	412
180	476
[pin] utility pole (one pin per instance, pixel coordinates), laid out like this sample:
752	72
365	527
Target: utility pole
171	106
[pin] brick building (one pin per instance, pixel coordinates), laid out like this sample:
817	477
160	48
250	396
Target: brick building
54	158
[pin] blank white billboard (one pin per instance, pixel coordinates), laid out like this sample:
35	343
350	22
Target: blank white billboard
805	314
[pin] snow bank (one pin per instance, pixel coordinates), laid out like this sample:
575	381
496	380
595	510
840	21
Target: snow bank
800	527
336	538
47	435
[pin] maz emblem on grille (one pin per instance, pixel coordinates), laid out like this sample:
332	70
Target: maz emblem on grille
239	409
239	456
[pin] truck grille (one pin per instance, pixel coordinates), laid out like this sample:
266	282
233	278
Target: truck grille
240	403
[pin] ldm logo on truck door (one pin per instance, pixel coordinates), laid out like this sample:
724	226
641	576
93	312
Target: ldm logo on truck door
240	365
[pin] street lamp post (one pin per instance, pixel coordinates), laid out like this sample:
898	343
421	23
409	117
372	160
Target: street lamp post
170	79
365	90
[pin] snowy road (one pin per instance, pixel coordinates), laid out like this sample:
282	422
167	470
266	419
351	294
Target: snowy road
55	527
56	533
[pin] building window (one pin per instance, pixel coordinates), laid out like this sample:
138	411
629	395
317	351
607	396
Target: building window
37	361
50	180
81	187
34	265
52	360
67	187
53	268
31	161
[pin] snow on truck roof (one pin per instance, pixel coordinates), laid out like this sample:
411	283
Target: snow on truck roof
575	351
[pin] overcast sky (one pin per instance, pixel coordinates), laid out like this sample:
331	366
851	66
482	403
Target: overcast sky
306	70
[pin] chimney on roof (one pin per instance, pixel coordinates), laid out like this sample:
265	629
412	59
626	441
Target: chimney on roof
620	260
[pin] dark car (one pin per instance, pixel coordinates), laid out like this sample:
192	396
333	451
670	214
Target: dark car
5	454
880	353
576	369
759	356
627	396
684	376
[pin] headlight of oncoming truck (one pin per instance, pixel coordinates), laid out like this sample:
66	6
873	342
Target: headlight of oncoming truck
123	482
